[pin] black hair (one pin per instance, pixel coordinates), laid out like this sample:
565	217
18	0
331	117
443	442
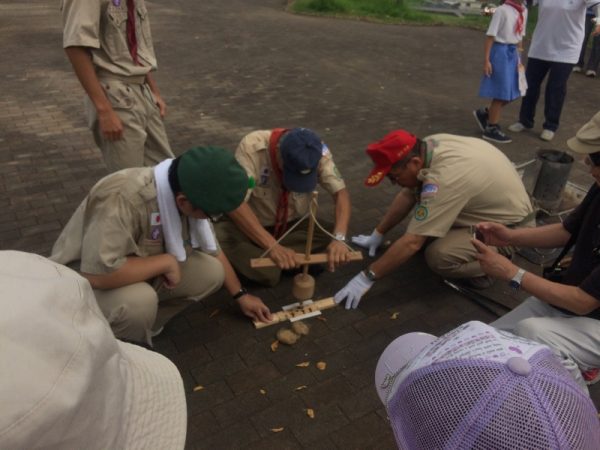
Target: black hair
414	152
173	178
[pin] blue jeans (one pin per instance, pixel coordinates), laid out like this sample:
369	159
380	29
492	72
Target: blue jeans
556	91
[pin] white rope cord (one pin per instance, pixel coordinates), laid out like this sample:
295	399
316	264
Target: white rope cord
309	213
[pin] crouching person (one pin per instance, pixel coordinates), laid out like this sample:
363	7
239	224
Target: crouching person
143	239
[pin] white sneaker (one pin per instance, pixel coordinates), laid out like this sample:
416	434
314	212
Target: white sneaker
590	73
547	135
577	69
516	127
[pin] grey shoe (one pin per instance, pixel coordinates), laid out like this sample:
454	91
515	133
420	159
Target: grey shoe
590	73
517	127
547	135
494	133
481	117
577	69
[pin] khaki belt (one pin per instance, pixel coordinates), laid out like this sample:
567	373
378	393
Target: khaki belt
131	79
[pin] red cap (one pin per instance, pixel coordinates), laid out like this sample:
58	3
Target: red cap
388	151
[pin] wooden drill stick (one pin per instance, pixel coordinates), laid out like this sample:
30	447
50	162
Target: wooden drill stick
315	258
282	316
311	231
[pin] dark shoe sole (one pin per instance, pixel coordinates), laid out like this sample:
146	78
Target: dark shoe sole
497	141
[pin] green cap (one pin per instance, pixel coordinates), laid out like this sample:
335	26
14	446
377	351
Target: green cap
212	179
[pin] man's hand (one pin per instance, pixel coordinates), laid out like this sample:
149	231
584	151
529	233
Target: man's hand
172	274
111	126
284	257
354	290
371	242
495	234
162	106
337	254
492	263
254	308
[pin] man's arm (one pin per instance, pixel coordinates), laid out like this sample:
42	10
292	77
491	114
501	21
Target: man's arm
547	236
337	252
398	253
162	106
248	223
250	305
137	269
398	210
81	60
571	298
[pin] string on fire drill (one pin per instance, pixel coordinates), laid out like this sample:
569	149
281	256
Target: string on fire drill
308	214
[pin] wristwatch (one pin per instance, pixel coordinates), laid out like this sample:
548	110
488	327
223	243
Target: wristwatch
240	293
515	282
370	274
340	237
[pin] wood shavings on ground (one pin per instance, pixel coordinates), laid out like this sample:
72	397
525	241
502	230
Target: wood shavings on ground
322	319
214	313
263	392
310	413
321	365
395	316
299	388
198	388
303	364
287	337
274	346
277	430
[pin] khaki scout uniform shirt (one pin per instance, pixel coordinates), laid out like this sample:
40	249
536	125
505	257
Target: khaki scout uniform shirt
253	155
101	26
467	181
118	218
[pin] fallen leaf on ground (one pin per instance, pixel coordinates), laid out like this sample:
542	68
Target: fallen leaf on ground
322	319
321	365
299	388
303	364
395	316
277	430
214	313
198	388
274	346
310	413
262	391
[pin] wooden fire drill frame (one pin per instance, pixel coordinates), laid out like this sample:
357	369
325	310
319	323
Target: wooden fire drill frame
299	311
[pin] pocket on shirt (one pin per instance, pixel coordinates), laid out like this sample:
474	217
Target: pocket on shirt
151	247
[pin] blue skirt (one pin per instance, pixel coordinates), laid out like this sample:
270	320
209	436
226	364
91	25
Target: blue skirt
504	82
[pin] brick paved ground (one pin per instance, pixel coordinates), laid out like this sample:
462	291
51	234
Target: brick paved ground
228	67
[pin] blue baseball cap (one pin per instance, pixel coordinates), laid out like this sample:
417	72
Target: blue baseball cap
301	150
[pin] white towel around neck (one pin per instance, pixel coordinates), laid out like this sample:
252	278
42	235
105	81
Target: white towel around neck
201	233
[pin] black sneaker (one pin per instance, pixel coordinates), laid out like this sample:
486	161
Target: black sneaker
481	116
494	133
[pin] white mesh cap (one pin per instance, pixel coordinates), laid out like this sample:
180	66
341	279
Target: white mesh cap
67	383
480	388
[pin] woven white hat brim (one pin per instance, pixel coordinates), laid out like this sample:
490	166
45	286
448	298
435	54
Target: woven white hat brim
156	410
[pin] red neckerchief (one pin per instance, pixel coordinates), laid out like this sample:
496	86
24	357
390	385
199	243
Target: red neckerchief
281	216
130	30
520	21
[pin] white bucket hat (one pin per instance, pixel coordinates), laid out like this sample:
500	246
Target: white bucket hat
65	381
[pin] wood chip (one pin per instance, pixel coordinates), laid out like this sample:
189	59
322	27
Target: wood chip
395	316
198	388
214	313
262	391
321	365
274	346
277	430
321	318
303	364
310	413
299	388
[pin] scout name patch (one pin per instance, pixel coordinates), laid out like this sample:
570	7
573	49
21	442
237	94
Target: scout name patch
421	212
155	226
429	190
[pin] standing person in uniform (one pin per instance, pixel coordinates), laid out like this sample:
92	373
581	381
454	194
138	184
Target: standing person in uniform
110	47
449	182
500	80
554	50
565	314
287	165
128	239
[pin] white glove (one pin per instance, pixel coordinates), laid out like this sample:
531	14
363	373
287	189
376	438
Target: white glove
354	290
371	242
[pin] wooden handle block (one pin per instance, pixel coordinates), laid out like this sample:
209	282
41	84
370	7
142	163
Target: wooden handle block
315	258
282	316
